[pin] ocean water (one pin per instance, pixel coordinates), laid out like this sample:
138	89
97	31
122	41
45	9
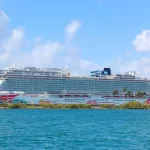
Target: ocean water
42	129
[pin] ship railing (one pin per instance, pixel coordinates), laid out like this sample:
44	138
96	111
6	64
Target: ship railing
109	77
11	92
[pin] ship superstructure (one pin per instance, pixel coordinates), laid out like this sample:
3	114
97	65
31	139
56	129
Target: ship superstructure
32	80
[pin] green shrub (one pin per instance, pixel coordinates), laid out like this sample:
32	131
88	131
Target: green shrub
4	105
88	106
117	106
128	105
106	106
16	106
59	106
134	105
47	105
31	106
73	106
77	106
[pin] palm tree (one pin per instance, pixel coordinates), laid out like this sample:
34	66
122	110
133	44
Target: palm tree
140	94
129	93
115	92
144	93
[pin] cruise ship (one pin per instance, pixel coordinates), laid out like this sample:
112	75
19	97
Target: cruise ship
32	85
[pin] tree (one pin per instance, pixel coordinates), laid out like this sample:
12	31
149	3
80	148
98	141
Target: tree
129	93
115	92
140	94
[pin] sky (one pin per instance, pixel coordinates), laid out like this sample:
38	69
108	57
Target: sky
82	35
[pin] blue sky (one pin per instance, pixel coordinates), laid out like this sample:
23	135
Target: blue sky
83	35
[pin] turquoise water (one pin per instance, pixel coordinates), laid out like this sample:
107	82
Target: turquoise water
75	129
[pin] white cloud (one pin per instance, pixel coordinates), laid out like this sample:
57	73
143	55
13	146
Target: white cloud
72	58
11	45
72	28
15	41
3	19
88	66
130	66
37	40
43	53
142	41
140	65
141	44
145	62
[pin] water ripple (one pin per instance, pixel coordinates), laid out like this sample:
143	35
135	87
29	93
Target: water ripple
75	129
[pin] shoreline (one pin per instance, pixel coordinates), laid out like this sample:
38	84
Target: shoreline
129	105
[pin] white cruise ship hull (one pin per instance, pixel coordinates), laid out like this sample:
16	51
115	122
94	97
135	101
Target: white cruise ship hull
97	100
